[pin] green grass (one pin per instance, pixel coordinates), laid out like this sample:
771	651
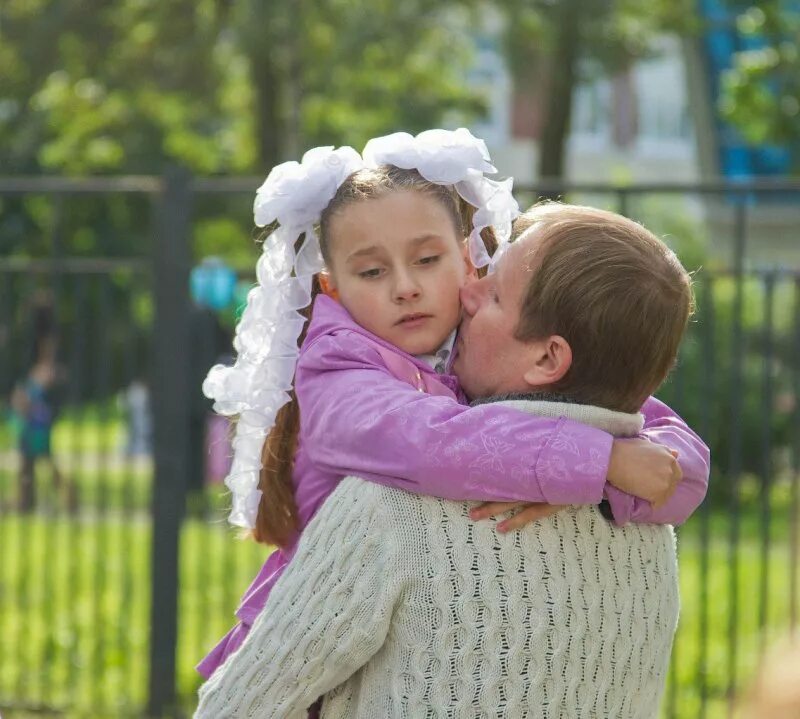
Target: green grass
716	580
89	448
75	590
88	444
74	610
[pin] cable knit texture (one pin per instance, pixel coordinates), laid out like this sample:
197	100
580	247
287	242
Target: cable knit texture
398	605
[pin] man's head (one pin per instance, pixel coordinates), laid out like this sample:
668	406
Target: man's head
585	303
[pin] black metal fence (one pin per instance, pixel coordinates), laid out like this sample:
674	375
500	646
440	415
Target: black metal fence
117	569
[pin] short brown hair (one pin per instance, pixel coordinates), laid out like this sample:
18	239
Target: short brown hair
615	292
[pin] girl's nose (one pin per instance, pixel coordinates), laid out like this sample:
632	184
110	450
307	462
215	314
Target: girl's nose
405	287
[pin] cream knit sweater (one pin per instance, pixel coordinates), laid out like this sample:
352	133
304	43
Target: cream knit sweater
398	605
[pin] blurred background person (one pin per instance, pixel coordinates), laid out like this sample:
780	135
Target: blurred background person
35	401
136	401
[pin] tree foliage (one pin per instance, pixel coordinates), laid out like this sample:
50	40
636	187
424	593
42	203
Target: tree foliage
217	85
563	43
761	92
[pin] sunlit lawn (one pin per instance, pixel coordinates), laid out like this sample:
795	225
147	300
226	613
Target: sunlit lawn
75	591
687	670
74	608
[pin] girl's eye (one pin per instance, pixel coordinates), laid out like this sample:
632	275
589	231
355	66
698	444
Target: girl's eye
493	295
370	274
429	260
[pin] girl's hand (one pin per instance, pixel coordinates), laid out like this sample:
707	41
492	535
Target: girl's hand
529	512
644	469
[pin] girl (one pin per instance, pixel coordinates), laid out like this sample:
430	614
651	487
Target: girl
373	378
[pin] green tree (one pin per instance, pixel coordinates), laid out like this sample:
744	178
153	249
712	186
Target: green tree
559	44
120	86
219	86
760	94
126	85
340	72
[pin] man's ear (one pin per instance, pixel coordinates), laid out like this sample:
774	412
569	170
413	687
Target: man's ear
327	285
552	359
472	273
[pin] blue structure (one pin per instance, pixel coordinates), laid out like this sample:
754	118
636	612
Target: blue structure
737	158
212	283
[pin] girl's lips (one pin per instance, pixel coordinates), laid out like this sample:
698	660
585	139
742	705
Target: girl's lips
413	321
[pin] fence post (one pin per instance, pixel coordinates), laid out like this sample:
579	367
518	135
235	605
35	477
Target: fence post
170	394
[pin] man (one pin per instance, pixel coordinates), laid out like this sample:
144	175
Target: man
402	606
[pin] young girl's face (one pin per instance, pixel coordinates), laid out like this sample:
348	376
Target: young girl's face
397	264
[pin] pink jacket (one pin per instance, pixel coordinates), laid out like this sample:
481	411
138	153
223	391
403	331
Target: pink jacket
408	427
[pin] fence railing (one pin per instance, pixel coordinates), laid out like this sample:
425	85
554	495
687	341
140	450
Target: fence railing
118	572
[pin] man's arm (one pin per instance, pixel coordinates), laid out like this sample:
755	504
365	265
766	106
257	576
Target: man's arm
662	426
327	615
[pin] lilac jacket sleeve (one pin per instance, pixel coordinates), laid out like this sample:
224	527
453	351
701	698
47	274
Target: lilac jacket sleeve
664	427
358	419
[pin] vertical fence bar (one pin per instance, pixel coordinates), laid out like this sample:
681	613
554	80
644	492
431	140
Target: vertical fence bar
36	540
77	396
735	458
7	374
103	351
57	489
622	201
157	206
679	385
794	502
127	505
766	452
26	519
6	371
94	542
6	484
706	422
170	414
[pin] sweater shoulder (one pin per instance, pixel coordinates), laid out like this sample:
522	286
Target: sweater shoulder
399	513
377	500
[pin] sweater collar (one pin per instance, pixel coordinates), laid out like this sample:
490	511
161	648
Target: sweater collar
618	424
